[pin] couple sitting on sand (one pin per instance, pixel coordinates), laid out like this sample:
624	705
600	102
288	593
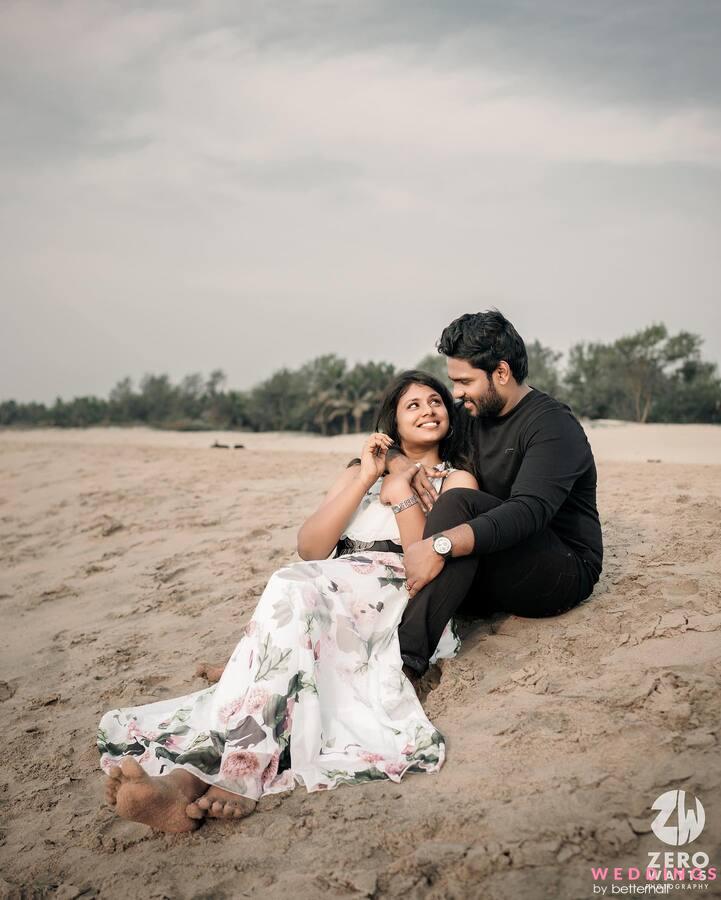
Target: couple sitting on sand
488	508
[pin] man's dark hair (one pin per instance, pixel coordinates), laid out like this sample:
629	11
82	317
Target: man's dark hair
485	339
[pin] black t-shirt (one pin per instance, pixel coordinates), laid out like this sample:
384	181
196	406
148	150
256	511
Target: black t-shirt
538	460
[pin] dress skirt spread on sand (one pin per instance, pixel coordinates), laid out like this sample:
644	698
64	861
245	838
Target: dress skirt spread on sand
313	694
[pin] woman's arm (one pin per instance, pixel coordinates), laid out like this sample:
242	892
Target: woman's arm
411	520
321	531
459	479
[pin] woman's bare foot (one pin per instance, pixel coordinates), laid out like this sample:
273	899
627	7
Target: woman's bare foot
210	672
158	801
220	804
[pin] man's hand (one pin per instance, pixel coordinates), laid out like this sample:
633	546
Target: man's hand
418	476
422	487
422	565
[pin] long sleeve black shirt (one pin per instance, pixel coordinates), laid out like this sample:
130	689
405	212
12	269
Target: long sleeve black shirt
537	459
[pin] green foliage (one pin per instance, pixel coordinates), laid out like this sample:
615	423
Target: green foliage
649	376
592	387
693	394
323	378
363	389
435	364
543	371
279	403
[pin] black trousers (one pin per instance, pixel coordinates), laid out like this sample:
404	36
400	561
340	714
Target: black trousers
541	576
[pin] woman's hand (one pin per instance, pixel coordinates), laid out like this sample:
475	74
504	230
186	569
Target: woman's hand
373	457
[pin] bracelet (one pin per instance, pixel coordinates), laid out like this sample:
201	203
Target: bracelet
410	501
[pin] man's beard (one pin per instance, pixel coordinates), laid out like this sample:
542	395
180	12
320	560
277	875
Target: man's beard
488	406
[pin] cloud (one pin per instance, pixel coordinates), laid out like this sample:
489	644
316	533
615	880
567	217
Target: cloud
89	78
648	52
172	173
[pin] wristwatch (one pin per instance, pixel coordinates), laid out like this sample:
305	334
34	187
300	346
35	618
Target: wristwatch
442	545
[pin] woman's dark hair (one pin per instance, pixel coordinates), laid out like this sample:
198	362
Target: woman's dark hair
485	339
453	446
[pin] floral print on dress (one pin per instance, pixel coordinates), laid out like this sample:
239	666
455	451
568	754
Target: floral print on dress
313	694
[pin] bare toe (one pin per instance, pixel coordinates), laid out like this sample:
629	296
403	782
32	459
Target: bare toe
131	770
221	804
111	790
229	811
195	811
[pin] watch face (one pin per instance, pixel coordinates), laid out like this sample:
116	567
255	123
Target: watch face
442	545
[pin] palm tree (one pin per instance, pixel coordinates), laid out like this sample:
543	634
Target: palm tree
323	379
328	406
364	387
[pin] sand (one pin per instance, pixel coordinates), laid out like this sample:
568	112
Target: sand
128	555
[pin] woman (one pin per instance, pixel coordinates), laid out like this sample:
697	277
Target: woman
314	693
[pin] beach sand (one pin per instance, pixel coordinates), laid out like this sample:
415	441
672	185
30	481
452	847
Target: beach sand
129	554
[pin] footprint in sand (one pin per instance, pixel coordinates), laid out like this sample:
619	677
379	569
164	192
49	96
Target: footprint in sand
7	690
95	569
57	593
680	587
164	573
105	525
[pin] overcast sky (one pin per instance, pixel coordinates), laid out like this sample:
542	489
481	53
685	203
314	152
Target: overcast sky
247	185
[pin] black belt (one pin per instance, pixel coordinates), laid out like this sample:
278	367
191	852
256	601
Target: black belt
349	547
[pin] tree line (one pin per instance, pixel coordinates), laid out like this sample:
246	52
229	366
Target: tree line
648	376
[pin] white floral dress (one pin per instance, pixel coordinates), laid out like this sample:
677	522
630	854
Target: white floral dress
314	692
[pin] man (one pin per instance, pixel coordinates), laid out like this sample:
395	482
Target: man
529	541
